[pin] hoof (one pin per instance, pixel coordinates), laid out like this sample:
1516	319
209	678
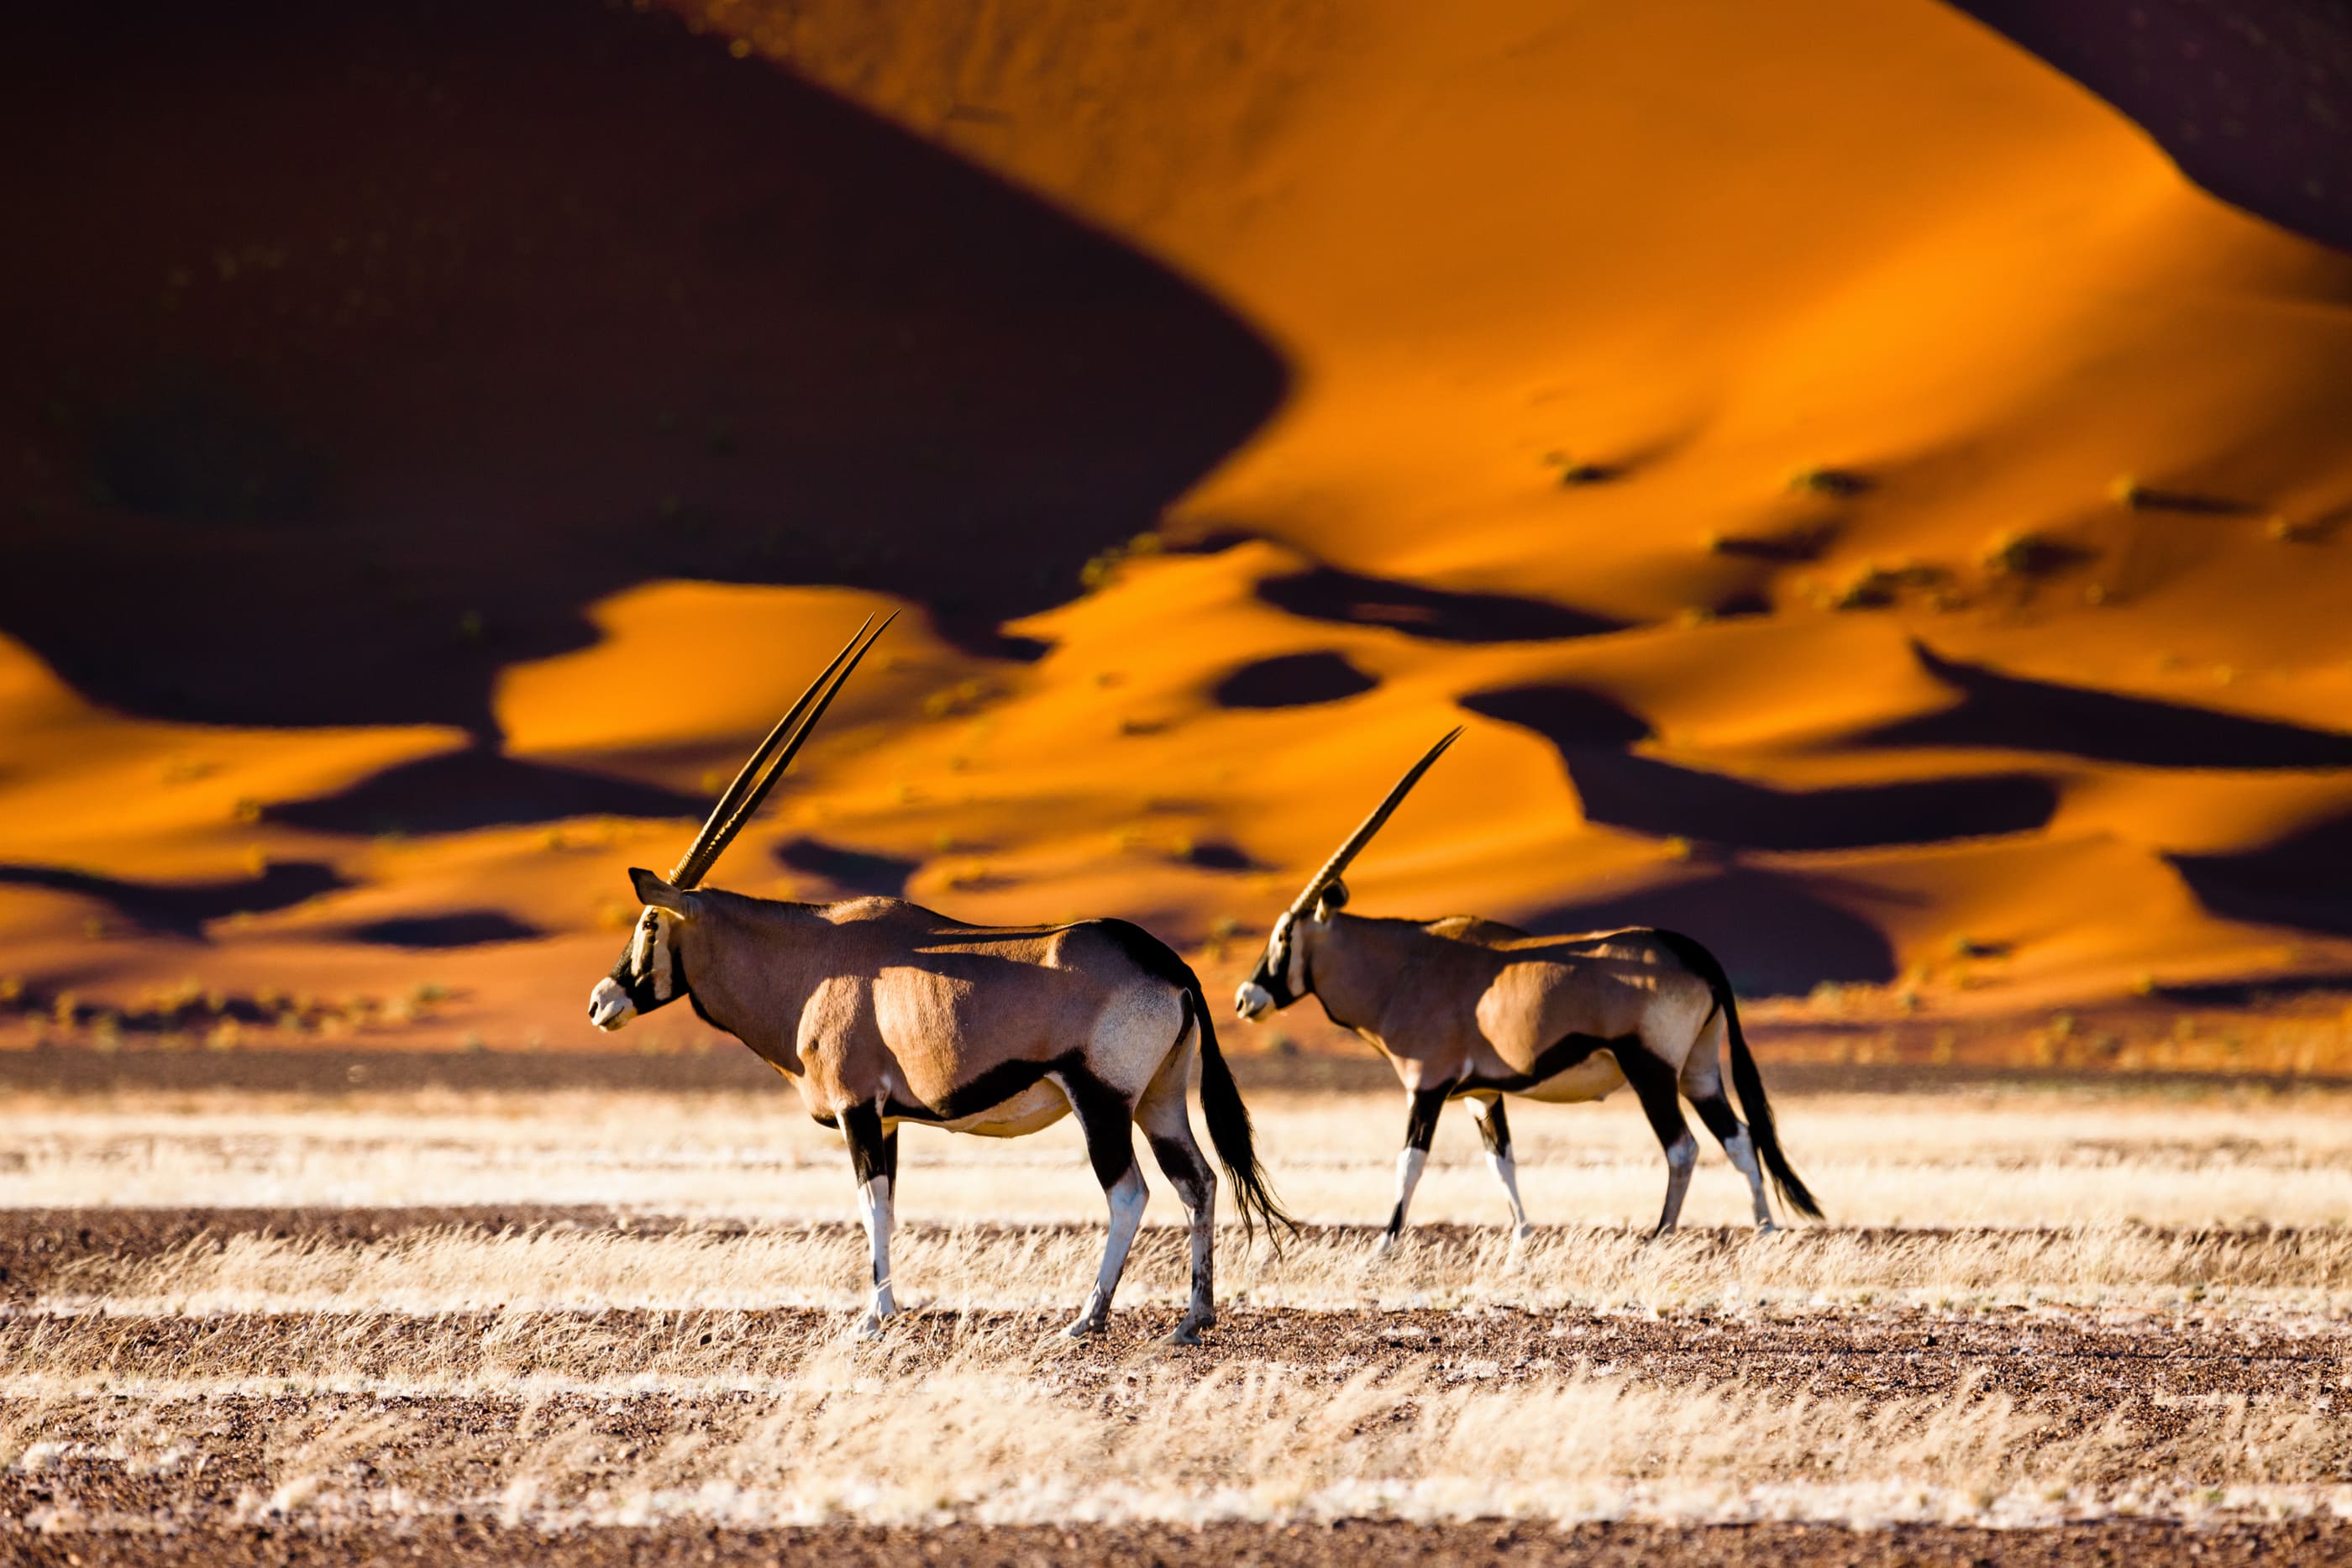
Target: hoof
1084	1328
1767	1228
1187	1332
1524	1233
869	1327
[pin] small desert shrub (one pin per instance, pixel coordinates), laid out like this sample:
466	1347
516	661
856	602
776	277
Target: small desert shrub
2031	553
1841	483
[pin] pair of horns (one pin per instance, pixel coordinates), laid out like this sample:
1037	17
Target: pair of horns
1370	825
774	754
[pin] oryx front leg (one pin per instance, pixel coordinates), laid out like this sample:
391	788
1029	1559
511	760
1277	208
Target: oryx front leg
1106	1119
874	1158
1494	1132
1419	1131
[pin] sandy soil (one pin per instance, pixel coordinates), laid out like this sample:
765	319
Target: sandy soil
1345	1543
276	1380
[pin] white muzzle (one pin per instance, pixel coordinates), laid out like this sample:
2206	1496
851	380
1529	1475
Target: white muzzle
609	1005
1252	1001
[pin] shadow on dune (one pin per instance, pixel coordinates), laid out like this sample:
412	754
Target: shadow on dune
183	909
477	788
459	928
2249	97
1564	714
1293	680
1625	790
846	873
1327	593
355	349
1774	935
2012	714
2304	880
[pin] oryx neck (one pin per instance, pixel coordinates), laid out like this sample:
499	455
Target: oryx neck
1346	963
753	960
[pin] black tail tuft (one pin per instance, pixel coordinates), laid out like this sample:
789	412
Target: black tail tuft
1743	1076
1229	1130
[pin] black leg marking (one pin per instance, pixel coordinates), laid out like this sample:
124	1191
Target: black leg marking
1495	1130
1654	1084
1106	1120
1714	1113
1660	1091
890	1158
1186	1171
1420	1121
869	1152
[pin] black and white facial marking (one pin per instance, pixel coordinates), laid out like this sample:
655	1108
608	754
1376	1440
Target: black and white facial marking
1281	977
647	977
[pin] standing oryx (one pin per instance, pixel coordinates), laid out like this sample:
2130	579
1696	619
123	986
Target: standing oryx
1467	1008
880	1012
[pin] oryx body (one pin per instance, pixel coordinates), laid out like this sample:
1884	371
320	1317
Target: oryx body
881	1012
1467	1008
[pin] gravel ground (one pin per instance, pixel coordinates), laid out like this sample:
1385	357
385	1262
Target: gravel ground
1345	1544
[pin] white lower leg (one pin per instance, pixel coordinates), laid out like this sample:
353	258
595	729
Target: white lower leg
1409	1166
1681	1155
1505	1168
1127	1196
1507	1171
874	1204
1742	1150
1204	1309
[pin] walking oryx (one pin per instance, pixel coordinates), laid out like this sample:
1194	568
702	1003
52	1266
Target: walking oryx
880	1012
1472	1010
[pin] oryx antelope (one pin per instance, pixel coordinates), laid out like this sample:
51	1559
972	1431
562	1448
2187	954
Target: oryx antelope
1473	1010
880	1012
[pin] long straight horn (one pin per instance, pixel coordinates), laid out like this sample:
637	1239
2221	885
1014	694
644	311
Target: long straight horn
1370	825
752	783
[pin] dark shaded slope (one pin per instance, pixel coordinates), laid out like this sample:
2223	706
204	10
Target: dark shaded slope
1626	791
353	348
1327	593
2252	98
185	908
1293	680
1774	936
2015	714
2304	880
477	789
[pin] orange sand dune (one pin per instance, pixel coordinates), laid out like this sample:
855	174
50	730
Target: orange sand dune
1868	508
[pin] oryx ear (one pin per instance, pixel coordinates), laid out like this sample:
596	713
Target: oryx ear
656	894
1334	896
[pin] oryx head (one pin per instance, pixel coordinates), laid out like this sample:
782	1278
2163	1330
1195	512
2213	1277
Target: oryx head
1282	974
651	972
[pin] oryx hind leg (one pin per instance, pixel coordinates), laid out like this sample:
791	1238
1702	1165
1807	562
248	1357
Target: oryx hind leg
1702	1080
1494	1132
1167	1122
1655	1085
874	1158
1107	1118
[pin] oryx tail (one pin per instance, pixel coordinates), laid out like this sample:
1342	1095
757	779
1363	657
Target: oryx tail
1229	1128
1743	1076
